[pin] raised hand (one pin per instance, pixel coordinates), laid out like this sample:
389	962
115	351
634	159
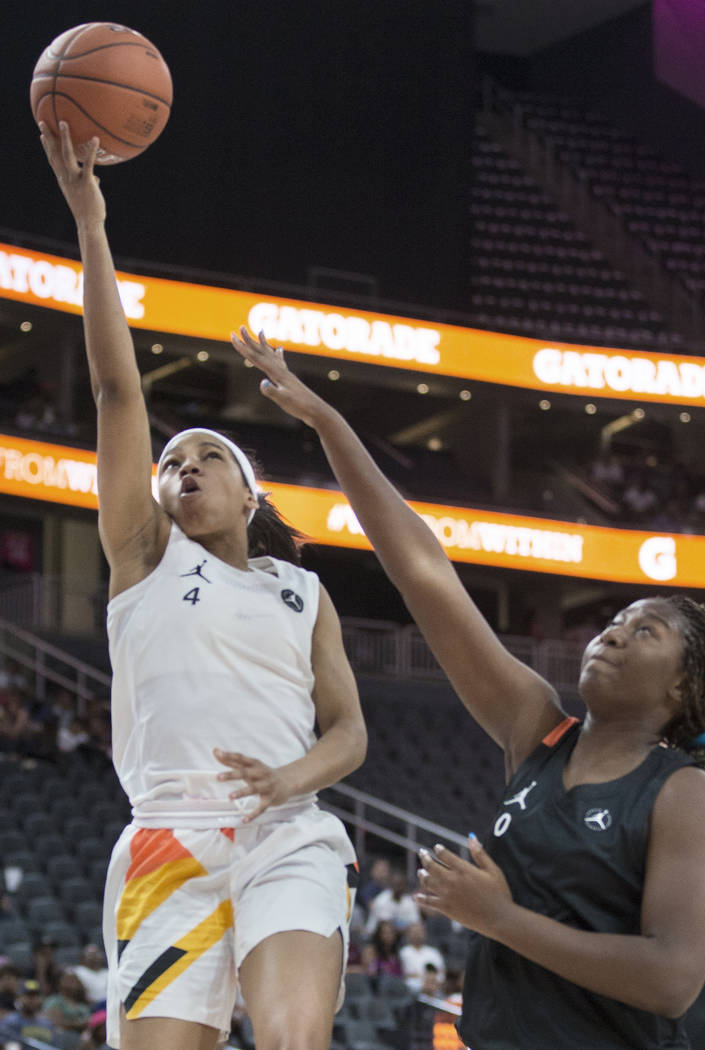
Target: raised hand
475	894
259	780
76	179
280	385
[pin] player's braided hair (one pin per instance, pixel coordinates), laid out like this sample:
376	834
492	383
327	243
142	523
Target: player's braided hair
270	533
689	722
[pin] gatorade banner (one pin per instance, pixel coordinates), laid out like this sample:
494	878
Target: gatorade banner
36	470
165	306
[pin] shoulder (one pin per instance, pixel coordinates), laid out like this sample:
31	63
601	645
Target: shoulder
284	570
554	744
677	813
684	786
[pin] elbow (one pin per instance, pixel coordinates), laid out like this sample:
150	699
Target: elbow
676	995
357	747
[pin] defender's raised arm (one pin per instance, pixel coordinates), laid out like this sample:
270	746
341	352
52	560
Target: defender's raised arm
515	705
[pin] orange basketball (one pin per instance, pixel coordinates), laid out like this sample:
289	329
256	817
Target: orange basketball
106	80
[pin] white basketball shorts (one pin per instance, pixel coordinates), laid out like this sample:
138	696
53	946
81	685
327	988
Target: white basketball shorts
183	908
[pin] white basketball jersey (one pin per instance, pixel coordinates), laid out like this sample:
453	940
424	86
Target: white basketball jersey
205	655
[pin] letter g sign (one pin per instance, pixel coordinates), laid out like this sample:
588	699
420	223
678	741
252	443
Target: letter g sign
657	558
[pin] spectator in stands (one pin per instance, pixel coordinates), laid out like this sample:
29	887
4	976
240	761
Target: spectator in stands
99	734
378	880
15	677
639	498
68	1008
608	474
430	982
93	1035
38	413
45	968
394	904
27	1020
7	904
453	986
381	954
696	511
583	934
354	962
64	709
92	972
19	734
73	736
9	987
415	954
669	517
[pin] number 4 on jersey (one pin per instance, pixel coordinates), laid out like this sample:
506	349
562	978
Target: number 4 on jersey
192	596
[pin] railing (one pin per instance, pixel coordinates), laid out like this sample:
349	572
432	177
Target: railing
59	604
369	816
375	647
47	663
382	648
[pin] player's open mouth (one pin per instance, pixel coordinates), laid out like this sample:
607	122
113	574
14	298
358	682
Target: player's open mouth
188	487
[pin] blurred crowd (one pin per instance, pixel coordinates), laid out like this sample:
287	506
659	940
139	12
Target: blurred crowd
52	727
63	1006
391	935
650	491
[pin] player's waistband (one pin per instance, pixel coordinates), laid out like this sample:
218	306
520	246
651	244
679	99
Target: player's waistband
203	813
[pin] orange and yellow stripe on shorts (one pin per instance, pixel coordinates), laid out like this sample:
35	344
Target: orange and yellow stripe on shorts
160	866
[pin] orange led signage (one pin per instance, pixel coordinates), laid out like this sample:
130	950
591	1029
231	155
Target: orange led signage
35	470
211	313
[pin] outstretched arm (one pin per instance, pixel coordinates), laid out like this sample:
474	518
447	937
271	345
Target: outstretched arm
513	704
131	524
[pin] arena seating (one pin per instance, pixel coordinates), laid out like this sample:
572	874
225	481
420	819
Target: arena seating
61	888
56	832
535	273
662	205
426	755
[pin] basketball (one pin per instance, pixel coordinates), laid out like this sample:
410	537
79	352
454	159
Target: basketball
104	80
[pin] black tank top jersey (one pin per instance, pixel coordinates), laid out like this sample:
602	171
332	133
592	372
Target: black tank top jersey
579	857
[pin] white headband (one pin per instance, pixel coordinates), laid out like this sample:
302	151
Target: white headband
243	461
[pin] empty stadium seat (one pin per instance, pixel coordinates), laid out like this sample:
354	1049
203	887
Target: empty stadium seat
68	955
61	866
80	827
89	849
88	915
12	841
74	889
25	859
61	932
43	911
21	954
38	823
33	884
50	844
13	930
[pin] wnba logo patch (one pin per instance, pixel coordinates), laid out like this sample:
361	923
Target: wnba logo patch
293	600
